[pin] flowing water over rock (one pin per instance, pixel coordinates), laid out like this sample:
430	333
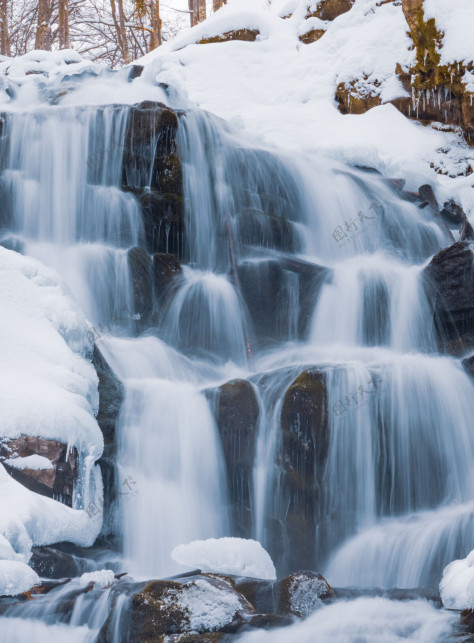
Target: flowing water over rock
300	276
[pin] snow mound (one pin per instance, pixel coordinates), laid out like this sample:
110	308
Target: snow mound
101	579
16	577
457	585
34	462
236	556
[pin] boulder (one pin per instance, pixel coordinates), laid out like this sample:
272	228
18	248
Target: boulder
304	448
237	416
468	365
199	605
167	273
312	36
163	219
247	35
52	476
449	284
140	266
351	99
259	228
49	562
453	212
330	9
303	593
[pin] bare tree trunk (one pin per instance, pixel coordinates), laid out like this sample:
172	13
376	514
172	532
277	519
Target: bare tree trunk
201	10
120	29
155	23
193	12
5	48
217	4
64	24
43	30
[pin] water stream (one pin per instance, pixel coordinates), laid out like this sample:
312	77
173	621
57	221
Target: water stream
396	485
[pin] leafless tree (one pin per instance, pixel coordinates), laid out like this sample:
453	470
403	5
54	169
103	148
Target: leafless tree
43	30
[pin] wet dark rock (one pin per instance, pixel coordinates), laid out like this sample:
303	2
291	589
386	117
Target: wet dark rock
304	448
258	228
150	156
170	608
303	593
262	594
111	394
56	482
163	218
247	35
50	562
452	212
135	71
237	415
140	265
468	365
449	283
167	273
280	295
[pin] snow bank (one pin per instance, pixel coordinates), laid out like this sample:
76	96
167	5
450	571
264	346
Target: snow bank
227	556
455	20
16	577
48	388
34	462
457	585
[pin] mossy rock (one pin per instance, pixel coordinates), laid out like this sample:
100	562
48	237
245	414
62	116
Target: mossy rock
247	35
351	101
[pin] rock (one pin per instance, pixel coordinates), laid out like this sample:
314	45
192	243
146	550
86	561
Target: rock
304	448
163	218
449	283
237	416
312	36
353	99
150	156
139	262
166	271
56	481
50	562
200	605
111	392
248	35
331	9
258	228
468	364
135	71
303	593
453	212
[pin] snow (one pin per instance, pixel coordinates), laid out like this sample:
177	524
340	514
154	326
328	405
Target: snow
48	388
16	577
34	462
236	556
101	579
457	585
209	608
454	19
28	519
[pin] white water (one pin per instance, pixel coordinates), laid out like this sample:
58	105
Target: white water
397	486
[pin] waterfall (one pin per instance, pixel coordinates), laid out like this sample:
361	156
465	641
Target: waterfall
292	267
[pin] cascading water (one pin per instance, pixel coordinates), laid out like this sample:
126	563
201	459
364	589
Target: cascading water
295	267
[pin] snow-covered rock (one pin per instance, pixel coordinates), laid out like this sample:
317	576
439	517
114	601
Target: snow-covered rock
457	585
101	579
16	577
236	556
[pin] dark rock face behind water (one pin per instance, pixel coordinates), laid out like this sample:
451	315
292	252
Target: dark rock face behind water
56	482
304	448
449	280
237	415
151	170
